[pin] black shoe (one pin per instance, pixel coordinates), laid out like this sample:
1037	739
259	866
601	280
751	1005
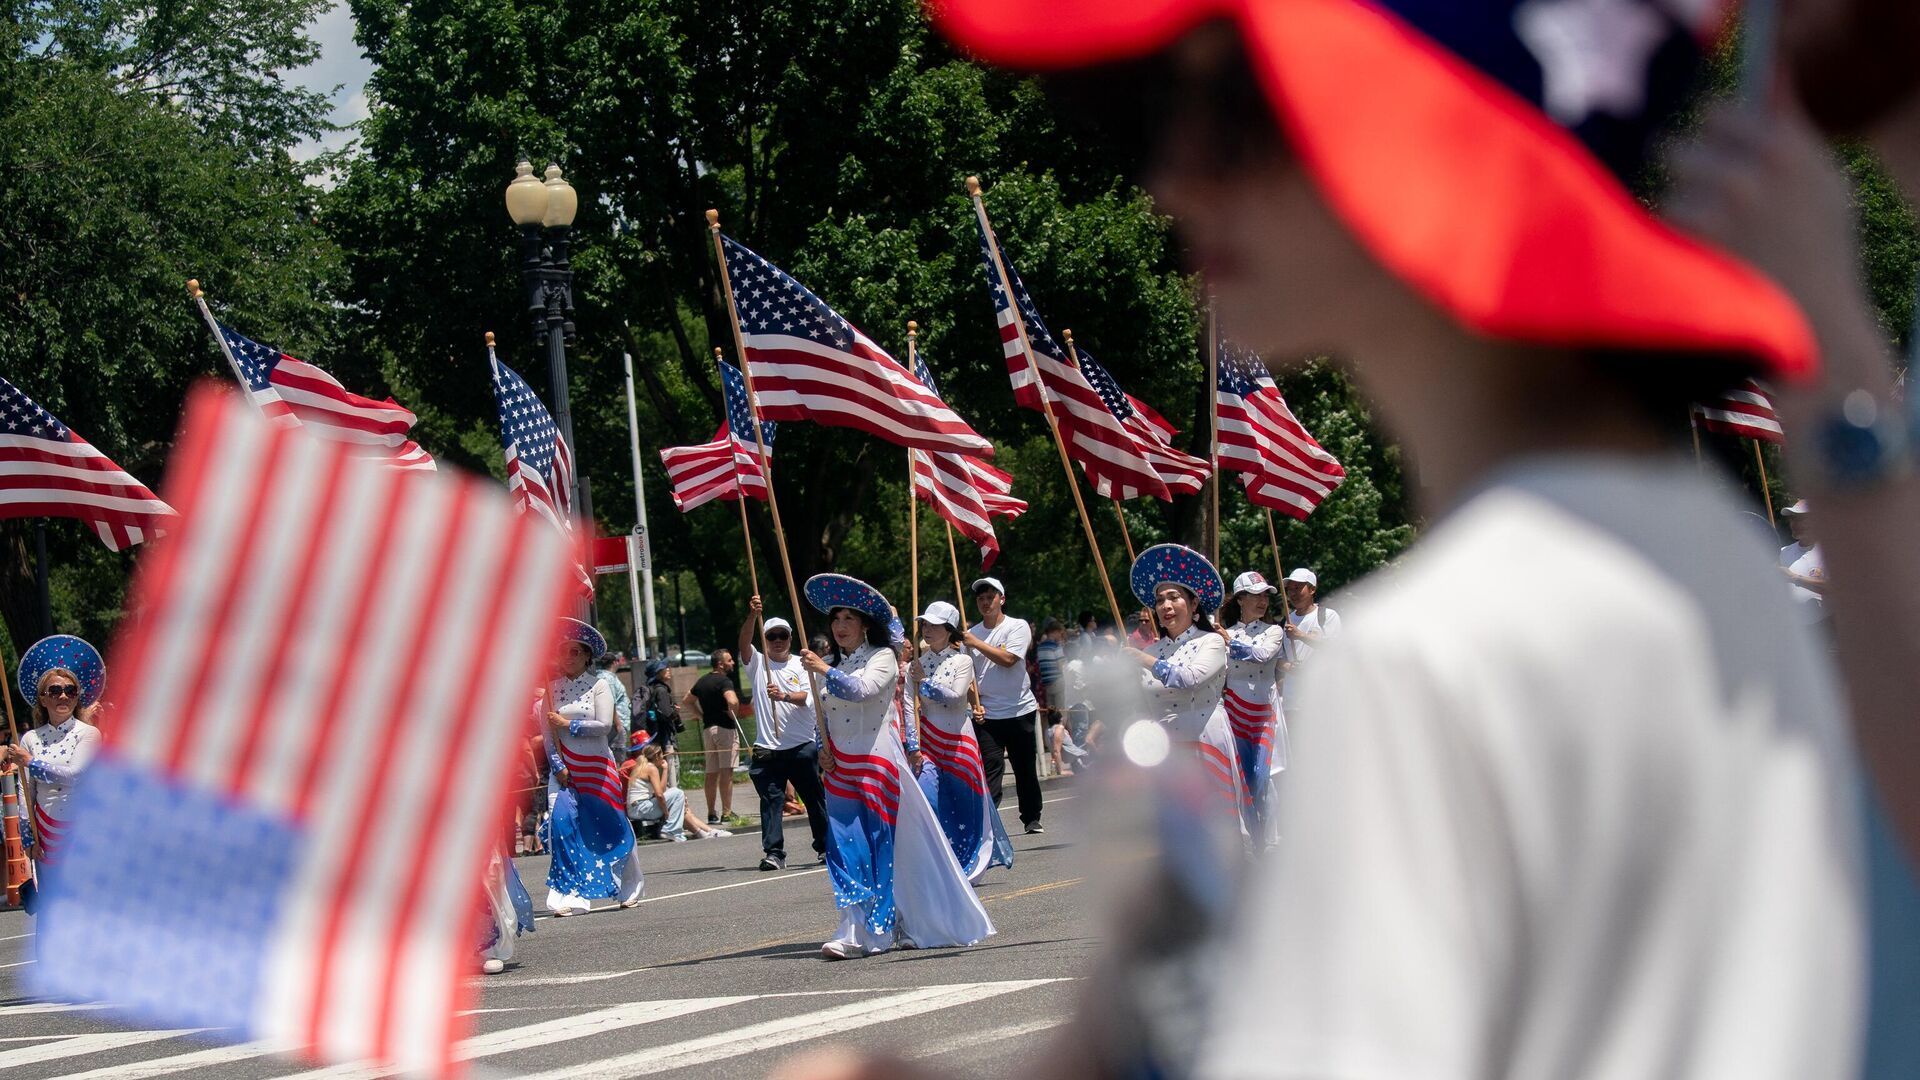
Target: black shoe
1035	827
773	862
713	819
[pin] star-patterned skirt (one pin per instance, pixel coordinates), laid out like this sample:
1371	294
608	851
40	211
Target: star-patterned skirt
589	839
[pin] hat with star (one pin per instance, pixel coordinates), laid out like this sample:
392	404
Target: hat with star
575	630
1180	565
1479	149
67	652
829	591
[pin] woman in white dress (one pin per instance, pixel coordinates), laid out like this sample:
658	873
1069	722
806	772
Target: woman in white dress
591	842
61	678
956	783
1185	674
1252	697
894	877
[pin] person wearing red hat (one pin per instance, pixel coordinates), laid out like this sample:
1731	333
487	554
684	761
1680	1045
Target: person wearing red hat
1600	818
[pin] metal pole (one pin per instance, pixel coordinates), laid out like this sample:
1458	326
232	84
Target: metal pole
682	608
651	632
585	510
42	579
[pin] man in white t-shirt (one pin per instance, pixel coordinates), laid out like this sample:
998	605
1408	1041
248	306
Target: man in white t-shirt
1803	562
785	746
1309	624
1000	646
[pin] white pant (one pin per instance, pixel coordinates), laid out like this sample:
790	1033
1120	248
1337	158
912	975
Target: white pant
669	809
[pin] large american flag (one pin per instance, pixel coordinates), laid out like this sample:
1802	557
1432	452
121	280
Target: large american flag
726	466
539	462
809	363
1746	411
48	471
1116	462
964	490
292	391
284	836
1182	472
1281	466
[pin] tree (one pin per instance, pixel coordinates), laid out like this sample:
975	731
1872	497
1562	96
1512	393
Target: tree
143	144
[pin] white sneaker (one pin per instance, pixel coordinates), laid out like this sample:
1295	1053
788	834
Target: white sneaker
493	966
839	950
680	838
714	834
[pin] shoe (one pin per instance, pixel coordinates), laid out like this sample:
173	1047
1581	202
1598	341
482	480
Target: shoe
713	819
773	862
629	905
563	913
681	839
1035	827
717	834
493	966
839	950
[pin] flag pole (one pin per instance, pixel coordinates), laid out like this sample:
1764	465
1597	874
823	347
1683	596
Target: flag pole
200	301
1766	492
1040	388
912	621
953	558
1273	538
1213	420
746	534
643	618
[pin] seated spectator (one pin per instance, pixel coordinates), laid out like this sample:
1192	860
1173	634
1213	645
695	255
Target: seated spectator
651	800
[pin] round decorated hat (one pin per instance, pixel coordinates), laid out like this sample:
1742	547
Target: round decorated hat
1180	565
575	630
62	651
829	591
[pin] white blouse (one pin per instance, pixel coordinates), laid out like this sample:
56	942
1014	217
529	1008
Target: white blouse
60	752
858	706
1184	687
948	673
1253	660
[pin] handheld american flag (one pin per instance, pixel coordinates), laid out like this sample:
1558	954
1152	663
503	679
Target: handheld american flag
1114	459
273	841
809	363
539	462
964	490
1182	472
1746	411
726	466
1280	465
294	392
48	471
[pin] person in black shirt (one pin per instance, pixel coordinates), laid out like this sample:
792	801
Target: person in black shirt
719	706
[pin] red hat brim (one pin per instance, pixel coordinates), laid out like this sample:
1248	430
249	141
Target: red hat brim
1462	188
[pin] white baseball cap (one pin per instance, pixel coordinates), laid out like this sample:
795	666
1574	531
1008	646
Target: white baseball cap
778	623
989	582
1798	508
1252	582
943	613
1304	576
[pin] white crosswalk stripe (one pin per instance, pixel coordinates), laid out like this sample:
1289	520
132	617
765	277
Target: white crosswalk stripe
72	1046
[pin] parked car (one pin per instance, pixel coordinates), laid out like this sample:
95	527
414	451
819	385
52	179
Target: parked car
692	658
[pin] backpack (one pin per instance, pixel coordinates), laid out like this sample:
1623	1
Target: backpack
663	716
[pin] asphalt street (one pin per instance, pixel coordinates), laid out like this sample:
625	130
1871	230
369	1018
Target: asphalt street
716	974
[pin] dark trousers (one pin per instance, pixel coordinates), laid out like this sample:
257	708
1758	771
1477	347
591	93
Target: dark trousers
771	771
1014	736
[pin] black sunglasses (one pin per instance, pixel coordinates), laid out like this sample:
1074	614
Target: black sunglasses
62	690
778	635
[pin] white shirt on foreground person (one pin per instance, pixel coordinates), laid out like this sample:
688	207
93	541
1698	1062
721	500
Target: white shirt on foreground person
1605	825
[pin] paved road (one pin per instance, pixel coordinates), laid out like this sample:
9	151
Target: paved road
716	974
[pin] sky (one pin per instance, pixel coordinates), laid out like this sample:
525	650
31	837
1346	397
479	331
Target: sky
340	64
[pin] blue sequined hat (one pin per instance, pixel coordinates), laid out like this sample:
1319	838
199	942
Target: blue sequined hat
575	630
1180	565
829	591
62	651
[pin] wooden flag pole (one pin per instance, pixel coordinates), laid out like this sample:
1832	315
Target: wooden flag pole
1040	388
912	621
1213	421
759	443
1120	515
953	558
746	541
1766	493
1273	538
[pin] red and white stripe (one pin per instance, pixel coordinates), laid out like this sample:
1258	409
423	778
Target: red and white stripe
721	469
296	625
595	776
317	400
1184	473
968	493
869	779
1221	775
1746	412
1250	722
49	835
958	755
799	378
1281	466
1116	462
69	478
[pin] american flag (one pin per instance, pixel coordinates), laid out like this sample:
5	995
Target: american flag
1182	472
964	490
292	391
1280	465
274	842
808	363
539	462
48	471
726	466
1746	412
1119	466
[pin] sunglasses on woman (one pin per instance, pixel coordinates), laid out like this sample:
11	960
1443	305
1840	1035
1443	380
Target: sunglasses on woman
62	691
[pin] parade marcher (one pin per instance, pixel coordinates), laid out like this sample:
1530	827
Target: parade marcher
956	784
591	841
61	678
1252	696
713	694
1309	623
1186	670
1000	645
786	750
508	914
652	799
894	877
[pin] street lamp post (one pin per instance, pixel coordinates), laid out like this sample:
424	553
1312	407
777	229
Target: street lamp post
544	212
